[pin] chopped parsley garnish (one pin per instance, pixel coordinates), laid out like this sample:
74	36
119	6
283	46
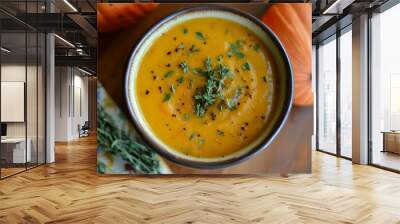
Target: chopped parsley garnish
221	106
201	141
256	47
193	49
185	31
167	97
196	71
172	88
192	136
246	66
235	49
180	80
190	83
200	36
184	66
219	58
212	89
207	63
220	133
181	46
232	102
168	74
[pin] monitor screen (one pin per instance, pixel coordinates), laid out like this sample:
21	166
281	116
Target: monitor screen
3	129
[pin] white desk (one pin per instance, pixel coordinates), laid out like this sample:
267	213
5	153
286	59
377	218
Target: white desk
18	150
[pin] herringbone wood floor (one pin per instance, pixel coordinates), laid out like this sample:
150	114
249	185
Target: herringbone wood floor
70	191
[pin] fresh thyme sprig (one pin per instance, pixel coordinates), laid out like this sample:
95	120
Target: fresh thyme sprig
213	88
118	142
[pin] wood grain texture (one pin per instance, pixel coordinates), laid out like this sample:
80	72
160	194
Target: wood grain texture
70	191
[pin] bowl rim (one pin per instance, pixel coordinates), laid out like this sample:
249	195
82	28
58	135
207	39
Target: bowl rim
263	144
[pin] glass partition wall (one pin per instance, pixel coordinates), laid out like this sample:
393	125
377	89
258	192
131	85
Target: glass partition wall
334	93
345	91
327	96
385	89
22	107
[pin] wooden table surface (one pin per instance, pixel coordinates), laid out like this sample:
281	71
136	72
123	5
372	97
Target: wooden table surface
289	153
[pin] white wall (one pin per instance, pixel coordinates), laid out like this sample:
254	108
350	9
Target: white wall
12	73
71	94
33	127
62	82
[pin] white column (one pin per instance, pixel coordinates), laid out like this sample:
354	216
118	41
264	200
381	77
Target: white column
360	90
50	100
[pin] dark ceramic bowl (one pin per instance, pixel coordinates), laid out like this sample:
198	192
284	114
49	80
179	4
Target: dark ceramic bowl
283	82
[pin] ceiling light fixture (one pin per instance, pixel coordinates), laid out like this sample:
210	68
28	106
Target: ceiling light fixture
70	5
64	40
84	71
337	7
5	50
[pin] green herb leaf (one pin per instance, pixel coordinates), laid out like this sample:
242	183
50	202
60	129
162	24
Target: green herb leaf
256	47
199	109
221	107
207	64
168	74
180	80
184	66
201	141
193	49
200	36
235	49
167	97
185	31
232	102
240	55
110	138
101	167
181	46
220	133
219	58
192	136
190	83
213	87
172	88
246	66
196	71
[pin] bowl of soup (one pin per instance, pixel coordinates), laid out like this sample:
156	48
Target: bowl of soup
209	87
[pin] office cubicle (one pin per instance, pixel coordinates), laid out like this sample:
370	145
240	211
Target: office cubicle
22	95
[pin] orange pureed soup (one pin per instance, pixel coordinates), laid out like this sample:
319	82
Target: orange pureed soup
206	86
